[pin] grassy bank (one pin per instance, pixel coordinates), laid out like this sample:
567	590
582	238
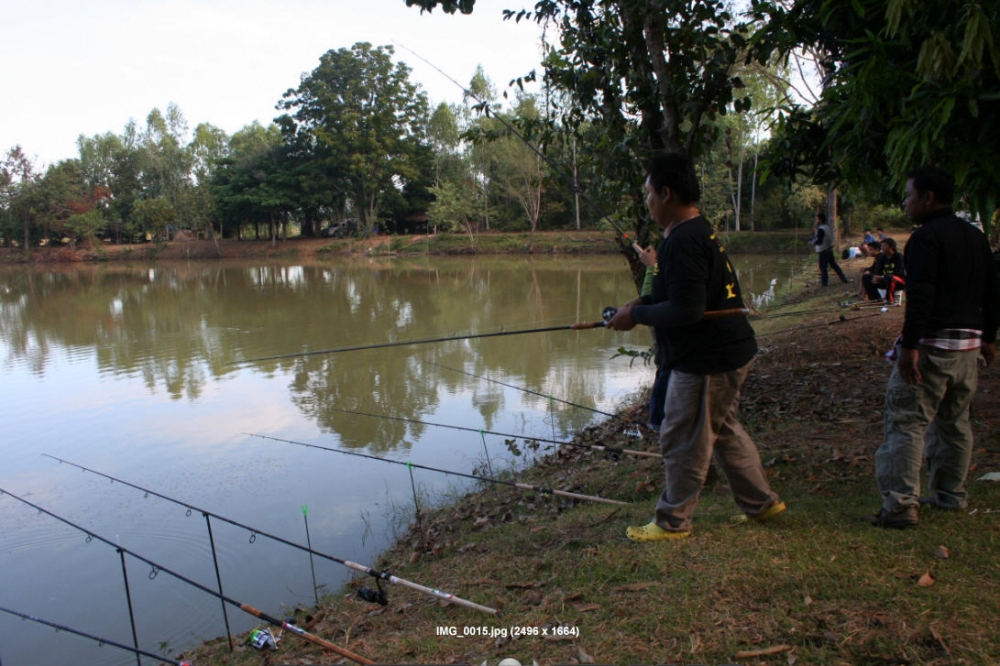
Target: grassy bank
815	586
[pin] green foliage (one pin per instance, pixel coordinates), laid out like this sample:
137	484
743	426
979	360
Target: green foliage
454	208
367	121
154	216
905	84
87	225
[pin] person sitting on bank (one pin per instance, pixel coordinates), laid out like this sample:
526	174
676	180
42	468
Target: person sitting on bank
872	249
887	273
869	237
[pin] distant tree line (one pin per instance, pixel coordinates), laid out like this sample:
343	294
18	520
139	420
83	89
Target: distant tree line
895	85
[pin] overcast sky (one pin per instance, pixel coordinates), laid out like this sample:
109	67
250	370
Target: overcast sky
72	67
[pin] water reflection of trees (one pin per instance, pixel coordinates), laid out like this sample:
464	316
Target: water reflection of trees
179	327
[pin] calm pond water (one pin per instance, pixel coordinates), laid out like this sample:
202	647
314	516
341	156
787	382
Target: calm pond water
141	373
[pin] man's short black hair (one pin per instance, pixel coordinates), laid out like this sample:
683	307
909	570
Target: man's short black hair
936	180
891	242
676	171
875	245
821	216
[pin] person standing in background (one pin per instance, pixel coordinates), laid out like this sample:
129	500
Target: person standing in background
823	241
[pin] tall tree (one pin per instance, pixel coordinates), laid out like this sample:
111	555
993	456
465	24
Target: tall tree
366	114
907	83
18	180
519	169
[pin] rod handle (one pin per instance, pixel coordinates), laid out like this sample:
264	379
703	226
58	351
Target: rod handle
444	596
587	324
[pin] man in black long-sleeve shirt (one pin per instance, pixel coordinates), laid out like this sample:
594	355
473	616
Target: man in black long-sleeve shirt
952	315
709	358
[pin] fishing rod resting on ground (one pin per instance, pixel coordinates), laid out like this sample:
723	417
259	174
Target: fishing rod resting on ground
312	638
596	447
522	486
100	641
378	575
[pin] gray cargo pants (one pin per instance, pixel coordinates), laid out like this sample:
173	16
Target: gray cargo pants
701	420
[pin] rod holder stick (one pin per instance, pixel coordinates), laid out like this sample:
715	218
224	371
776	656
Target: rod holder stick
218	580
312	564
131	615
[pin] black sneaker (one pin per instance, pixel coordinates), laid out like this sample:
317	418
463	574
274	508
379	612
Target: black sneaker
897	520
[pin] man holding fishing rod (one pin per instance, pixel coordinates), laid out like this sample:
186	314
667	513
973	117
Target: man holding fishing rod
708	357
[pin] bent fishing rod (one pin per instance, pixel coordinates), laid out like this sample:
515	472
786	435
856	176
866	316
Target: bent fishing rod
378	575
100	641
513	484
596	447
312	638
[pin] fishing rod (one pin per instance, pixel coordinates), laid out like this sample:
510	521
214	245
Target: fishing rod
840	320
522	486
98	639
402	343
595	447
378	575
312	638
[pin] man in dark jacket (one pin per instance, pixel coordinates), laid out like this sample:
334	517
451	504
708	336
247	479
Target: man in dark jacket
952	315
709	357
887	273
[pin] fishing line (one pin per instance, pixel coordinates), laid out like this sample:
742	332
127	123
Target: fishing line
622	238
100	641
378	575
538	393
244	607
596	447
513	484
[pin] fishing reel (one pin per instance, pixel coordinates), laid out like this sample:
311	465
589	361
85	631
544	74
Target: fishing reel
608	312
374	596
263	639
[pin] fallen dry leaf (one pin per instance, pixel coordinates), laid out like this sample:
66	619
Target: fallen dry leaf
584	657
926	580
583	608
749	654
941	552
